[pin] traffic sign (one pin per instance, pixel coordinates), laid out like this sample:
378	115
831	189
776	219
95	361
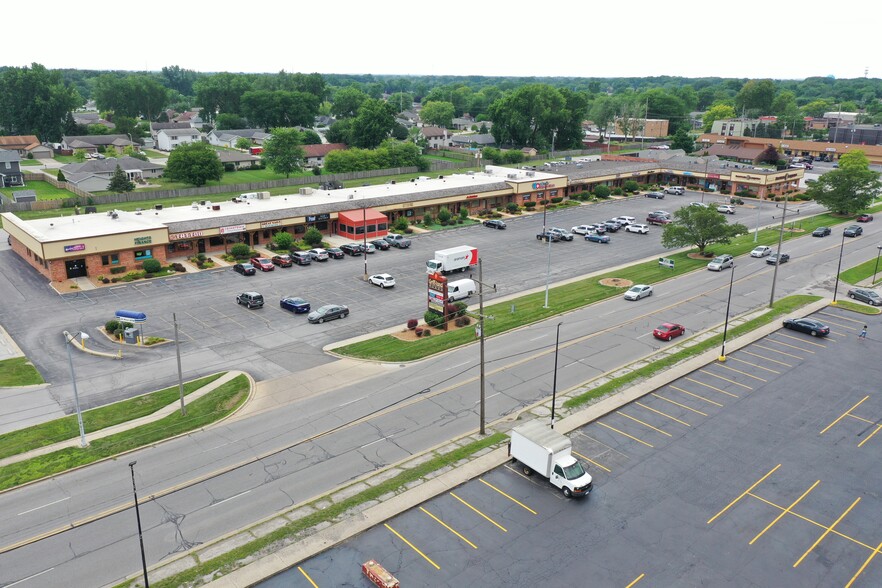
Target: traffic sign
666	262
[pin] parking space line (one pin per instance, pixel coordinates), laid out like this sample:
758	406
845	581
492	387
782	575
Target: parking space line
602	424
843	415
862	419
599	442
636	420
777	351
588	459
504	530
725	379
515	500
412	546
861	444
873	554
308	579
756	365
762	357
678	404
720	390
742	372
844	318
743	494
770	340
663	414
443	524
801	340
827	531
844	326
784	512
709	401
637	579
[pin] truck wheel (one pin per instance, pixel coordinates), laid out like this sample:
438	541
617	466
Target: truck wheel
527	471
567	492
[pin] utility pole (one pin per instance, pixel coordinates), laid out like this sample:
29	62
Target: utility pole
481	337
778	255
73	378
180	373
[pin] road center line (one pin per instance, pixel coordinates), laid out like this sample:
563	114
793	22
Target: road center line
44	506
29	578
230	498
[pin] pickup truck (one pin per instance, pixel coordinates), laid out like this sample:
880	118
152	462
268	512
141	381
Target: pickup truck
657	219
399	241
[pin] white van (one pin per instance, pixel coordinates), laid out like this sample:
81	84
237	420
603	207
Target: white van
460	289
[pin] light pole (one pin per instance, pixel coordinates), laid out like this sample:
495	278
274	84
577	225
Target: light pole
554	381
364	241
839	267
68	338
726	323
879	247
547	270
756	232
778	254
180	372
138	516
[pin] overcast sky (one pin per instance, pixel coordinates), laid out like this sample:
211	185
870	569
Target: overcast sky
581	38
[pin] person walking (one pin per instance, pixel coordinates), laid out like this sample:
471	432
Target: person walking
863	334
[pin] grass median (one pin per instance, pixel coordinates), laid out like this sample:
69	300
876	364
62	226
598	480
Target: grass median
208	409
18	371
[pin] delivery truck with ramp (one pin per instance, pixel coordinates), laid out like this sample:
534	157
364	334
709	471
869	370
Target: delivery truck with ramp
539	448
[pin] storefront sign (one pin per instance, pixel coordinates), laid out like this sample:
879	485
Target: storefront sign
437	292
713	176
831	149
270	224
180	236
143	240
232	229
77	247
472	196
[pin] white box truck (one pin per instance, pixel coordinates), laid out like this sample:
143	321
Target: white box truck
455	259
539	448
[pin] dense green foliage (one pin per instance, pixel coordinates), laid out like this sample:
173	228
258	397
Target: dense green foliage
849	189
699	226
194	163
282	152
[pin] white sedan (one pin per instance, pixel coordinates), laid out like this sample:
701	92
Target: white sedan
382	280
639	291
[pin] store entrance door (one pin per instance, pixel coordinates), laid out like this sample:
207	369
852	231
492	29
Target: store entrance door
76	268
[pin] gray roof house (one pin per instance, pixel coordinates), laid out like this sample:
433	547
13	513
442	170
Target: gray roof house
155	127
473	140
94	175
10	169
237	159
91	143
228	137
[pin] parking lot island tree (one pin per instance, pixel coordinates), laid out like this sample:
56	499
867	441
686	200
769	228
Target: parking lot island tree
699	226
849	189
313	237
194	163
282	152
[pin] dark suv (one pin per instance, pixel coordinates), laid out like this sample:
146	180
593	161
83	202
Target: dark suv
301	257
853	231
250	299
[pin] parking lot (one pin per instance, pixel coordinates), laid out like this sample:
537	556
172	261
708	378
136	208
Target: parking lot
757	471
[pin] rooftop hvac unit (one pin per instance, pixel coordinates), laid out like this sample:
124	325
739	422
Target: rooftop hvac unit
305	191
352	196
531	174
206	202
512	176
114	216
215	206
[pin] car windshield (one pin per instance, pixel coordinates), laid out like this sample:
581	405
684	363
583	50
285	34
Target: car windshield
574	471
719	259
636	289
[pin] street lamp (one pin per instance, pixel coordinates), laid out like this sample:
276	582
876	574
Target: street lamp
778	254
839	267
726	323
138	516
554	381
879	247
68	338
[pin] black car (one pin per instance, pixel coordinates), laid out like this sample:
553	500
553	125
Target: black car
381	244
853	231
773	258
864	295
246	269
807	325
328	312
335	253
352	249
821	232
494	223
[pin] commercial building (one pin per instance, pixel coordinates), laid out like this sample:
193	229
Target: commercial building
833	150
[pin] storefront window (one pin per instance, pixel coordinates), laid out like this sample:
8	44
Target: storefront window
381	226
143	254
110	259
216	241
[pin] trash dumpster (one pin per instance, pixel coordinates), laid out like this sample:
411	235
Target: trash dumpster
132	335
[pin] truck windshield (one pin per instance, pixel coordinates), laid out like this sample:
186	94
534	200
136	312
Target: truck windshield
574	471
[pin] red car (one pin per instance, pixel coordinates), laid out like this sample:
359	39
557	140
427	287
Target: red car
667	331
865	218
263	264
282	260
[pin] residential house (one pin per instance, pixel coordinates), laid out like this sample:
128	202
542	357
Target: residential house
463	123
324	122
529	151
155	127
229	137
473	141
436	137
10	169
409	118
40	151
91	143
168	139
315	154
192	117
94	175
237	159
91	118
19	143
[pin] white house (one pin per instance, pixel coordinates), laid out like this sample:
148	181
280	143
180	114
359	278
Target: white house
168	139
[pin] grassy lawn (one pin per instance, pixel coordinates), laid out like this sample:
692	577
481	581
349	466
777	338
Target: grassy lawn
44	190
31	162
857	307
210	408
862	271
24	440
18	371
244	176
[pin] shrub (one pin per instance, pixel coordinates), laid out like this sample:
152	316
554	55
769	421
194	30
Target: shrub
433	319
426	333
313	237
114	280
601	191
178	267
529	205
105	280
427	219
444	216
511	207
111	326
466	320
630	186
460	308
412	324
463	213
419	331
118	270
100	277
408	230
618	192
240	250
401	224
152	266
283	240
557	200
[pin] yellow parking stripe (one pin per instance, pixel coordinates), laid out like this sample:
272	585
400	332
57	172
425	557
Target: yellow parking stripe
504	530
764	358
861	419
709	401
308	579
873	554
663	414
870	436
803	349
801	340
602	424
773	350
784	512
827	531
588	459
742	372
712	387
521	504
642	423
843	415
678	404
412	546
850	328
743	494
443	524
637	579
718	376
844	318
756	365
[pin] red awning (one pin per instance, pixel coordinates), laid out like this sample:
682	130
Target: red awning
361	215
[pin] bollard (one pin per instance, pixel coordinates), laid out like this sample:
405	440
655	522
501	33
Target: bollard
512	309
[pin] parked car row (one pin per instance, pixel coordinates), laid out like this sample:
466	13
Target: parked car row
297	305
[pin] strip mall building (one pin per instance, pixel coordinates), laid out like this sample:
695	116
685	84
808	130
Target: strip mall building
94	244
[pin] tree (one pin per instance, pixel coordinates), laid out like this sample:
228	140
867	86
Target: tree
313	237
228	120
756	96
603	112
439	114
283	240
119	182
699	226
372	125
240	251
310	137
280	108
220	93
850	188
282	152
347	101
717	112
35	101
243	143
194	163
132	96
683	140
769	155
180	80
